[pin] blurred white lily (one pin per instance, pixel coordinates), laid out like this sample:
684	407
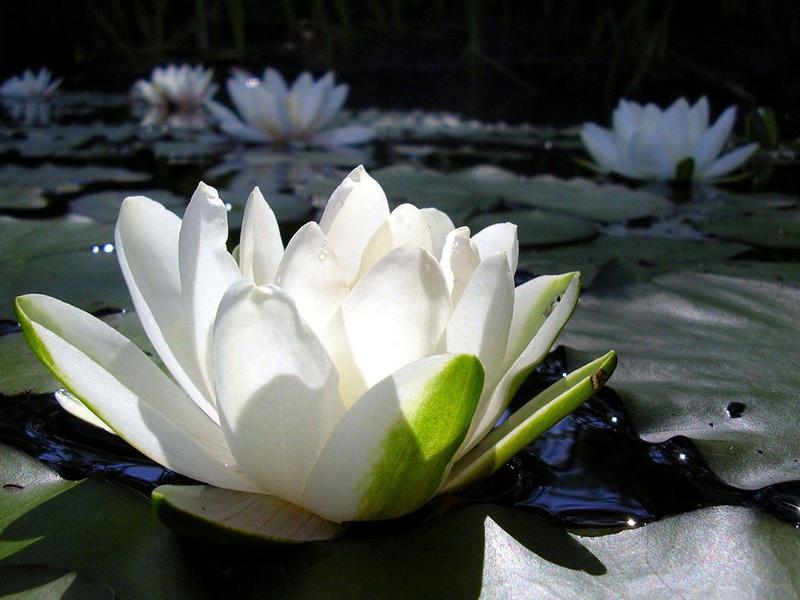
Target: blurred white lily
355	373
270	111
647	142
176	87
27	96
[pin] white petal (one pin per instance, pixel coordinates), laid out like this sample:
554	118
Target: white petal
405	227
626	120
391	451
354	212
70	403
481	321
260	247
146	239
541	309
460	258
698	120
348	135
207	270
233	126
730	161
499	238
601	145
311	275
711	142
277	388
395	314
128	392
440	225
333	104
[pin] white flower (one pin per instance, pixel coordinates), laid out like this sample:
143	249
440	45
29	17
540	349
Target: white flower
30	85
272	112
649	143
356	373
183	87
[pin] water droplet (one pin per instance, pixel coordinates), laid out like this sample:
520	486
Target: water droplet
323	255
108	248
631	522
95	249
735	409
681	456
228	206
614	419
339	204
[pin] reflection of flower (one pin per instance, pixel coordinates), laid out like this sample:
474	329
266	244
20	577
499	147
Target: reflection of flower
27	96
271	111
647	142
355	372
182	88
196	118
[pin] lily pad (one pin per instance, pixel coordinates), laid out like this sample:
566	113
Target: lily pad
640	255
61	179
95	529
494	552
769	230
103	207
690	345
39	582
539	227
21	197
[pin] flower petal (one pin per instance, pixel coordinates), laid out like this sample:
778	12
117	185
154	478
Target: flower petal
698	120
76	408
146	239
541	309
211	513
480	322
260	247
206	269
460	258
119	384
405	227
394	315
277	388
390	452
440	225
354	212
730	161
601	145
233	126
711	142
499	238
311	275
529	422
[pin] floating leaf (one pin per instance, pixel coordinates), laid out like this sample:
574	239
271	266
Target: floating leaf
57	178
770	230
21	197
538	227
38	582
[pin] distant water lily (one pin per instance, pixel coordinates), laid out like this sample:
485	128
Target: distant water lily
27	96
355	373
177	87
647	142
271	111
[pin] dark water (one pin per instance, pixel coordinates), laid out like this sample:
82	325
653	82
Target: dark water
589	471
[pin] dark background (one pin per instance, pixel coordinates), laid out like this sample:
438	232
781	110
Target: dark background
543	61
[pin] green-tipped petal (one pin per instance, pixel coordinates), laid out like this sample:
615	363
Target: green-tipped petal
391	451
529	422
227	516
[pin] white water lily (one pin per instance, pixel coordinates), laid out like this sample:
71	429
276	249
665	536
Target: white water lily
647	142
356	372
176	87
27	96
271	111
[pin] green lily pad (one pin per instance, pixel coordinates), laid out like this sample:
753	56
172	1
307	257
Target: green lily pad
780	272
641	256
39	582
690	345
103	207
538	227
61	179
495	552
21	371
94	529
21	197
586	199
770	230
713	203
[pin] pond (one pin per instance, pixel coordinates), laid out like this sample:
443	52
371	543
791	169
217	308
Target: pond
695	287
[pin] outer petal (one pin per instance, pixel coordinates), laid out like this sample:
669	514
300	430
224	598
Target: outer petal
354	212
480	322
349	135
440	225
260	247
405	227
499	238
76	408
711	142
392	317
333	104
541	309
730	161
146	238
277	388
206	269
698	120
460	258
233	126
127	391
311	275
601	145
391	451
